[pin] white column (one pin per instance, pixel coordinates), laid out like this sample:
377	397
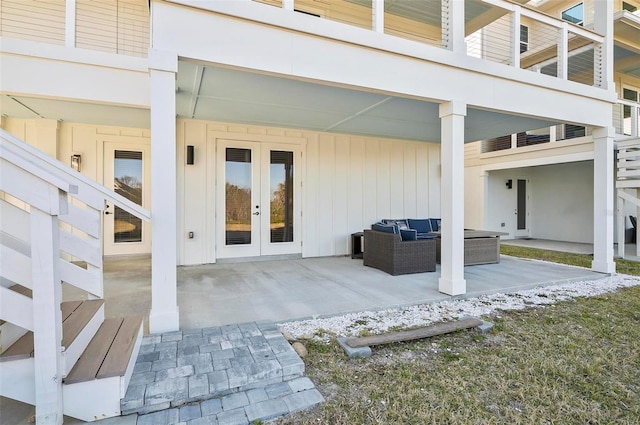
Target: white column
603	57
377	12
70	24
287	5
515	37
47	318
603	194
622	225
563	52
164	316
453	26
452	280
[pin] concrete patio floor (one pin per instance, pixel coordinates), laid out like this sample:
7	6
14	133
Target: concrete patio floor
220	294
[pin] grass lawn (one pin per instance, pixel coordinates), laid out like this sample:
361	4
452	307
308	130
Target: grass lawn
575	362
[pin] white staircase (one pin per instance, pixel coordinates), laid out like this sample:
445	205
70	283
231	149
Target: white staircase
62	357
627	185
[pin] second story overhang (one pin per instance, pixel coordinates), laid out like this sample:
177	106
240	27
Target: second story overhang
249	37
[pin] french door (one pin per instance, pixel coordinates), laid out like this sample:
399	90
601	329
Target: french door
258	200
126	171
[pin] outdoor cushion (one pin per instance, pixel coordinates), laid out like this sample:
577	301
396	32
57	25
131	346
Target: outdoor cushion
422	225
408	235
435	224
387	228
425	236
402	223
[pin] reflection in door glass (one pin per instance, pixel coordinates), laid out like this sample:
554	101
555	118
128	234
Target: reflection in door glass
127	181
281	205
238	196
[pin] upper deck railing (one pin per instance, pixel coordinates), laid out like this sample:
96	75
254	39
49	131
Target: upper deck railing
495	30
118	26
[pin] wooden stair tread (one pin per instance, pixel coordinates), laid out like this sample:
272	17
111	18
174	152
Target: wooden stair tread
87	366
117	359
21	349
74	319
78	319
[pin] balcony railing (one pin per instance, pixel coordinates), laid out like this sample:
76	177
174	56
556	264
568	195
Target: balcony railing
118	26
626	118
494	30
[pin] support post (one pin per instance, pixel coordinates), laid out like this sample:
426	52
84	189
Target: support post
288	5
453	26
563	52
70	24
603	54
603	196
377	15
164	316
515	37
452	115
622	224
47	318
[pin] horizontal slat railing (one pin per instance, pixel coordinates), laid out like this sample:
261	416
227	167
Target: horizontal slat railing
82	188
16	308
15	266
628	175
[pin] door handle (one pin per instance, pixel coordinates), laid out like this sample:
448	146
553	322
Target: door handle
256	213
107	212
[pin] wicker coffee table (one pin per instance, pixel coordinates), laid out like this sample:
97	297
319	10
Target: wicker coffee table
480	247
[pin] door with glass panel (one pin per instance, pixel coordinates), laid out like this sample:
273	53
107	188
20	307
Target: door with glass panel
126	172
258	208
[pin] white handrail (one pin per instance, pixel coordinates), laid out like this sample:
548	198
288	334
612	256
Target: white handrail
53	167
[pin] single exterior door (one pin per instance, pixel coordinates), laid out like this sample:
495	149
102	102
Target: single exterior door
126	171
522	208
258	207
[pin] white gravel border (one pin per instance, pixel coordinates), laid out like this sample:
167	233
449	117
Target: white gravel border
420	315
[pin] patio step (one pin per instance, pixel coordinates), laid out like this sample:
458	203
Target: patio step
94	387
248	372
80	320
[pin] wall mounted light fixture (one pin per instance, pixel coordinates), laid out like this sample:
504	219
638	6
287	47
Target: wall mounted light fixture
509	184
76	160
190	155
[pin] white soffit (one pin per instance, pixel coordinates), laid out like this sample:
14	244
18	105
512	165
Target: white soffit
220	94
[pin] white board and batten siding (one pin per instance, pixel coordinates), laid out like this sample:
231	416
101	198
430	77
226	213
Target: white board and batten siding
349	182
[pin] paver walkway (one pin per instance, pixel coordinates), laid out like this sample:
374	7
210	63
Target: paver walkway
233	374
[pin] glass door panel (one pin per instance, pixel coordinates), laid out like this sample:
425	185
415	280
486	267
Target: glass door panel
127	181
281	202
126	172
238	199
238	196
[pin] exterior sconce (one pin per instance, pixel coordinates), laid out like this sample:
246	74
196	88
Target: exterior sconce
76	160
190	155
509	184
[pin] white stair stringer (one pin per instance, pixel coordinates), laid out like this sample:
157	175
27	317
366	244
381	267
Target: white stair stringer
99	398
17	380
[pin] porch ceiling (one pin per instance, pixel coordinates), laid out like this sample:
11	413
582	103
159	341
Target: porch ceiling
220	94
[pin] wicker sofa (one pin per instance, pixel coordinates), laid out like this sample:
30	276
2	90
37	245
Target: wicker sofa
387	252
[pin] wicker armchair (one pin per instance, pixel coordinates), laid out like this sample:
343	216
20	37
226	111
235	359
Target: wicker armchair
385	251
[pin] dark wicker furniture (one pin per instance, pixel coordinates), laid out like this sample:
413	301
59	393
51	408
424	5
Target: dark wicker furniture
386	252
480	247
